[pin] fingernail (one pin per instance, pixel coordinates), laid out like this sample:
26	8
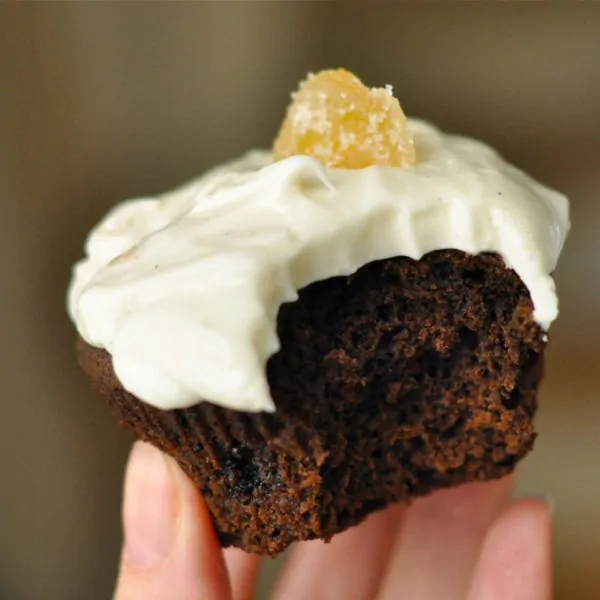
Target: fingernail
149	507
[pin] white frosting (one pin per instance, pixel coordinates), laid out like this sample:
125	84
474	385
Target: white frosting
183	290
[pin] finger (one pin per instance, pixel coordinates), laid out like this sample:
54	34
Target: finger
440	540
243	572
348	568
171	550
516	560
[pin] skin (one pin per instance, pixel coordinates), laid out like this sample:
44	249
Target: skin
471	542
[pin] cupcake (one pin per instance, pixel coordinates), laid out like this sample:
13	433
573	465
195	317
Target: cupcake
354	319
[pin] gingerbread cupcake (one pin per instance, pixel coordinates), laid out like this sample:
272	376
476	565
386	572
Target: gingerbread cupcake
354	319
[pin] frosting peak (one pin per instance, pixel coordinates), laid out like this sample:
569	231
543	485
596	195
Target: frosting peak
183	290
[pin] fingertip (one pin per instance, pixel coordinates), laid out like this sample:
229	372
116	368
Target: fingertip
171	549
516	561
198	531
198	550
149	507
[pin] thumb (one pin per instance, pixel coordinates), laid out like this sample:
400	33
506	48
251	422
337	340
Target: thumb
171	549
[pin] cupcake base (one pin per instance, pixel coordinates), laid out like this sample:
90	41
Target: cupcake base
401	379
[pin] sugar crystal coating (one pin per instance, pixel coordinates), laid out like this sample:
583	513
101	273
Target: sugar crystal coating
342	123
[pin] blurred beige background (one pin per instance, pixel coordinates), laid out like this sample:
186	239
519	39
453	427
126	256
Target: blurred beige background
99	102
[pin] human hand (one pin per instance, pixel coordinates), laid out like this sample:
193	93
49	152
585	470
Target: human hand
469	542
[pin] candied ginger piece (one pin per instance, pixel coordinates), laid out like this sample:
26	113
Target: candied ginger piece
342	123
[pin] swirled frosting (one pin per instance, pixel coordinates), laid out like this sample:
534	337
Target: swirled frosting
183	289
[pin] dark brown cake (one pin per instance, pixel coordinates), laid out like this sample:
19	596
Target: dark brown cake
404	378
